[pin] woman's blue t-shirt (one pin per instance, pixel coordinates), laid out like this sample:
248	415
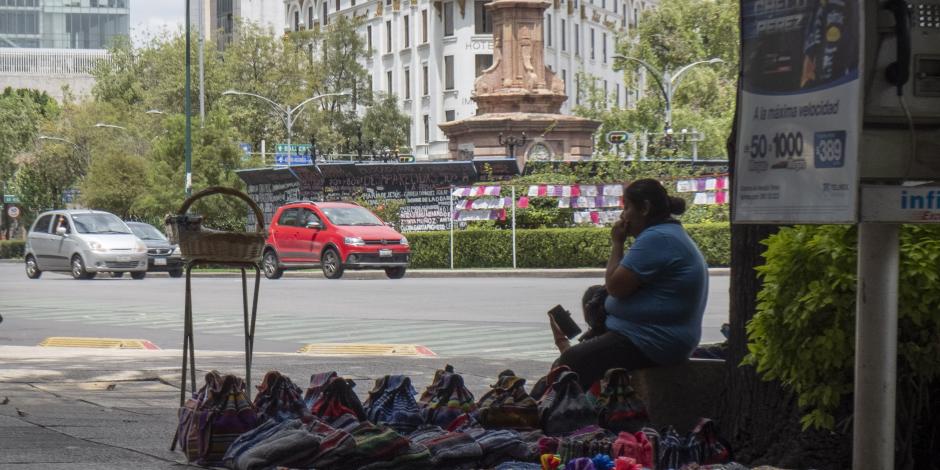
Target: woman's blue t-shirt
663	317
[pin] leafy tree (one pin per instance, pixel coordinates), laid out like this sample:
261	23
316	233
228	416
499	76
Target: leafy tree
113	183
674	34
384	124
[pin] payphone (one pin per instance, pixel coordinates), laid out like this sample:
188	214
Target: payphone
901	123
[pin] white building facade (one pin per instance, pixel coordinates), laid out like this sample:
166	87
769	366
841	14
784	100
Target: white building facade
429	53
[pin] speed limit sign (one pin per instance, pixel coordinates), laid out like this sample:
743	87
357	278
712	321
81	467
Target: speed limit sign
13	211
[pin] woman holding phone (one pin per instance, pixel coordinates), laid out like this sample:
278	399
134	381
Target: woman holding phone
656	291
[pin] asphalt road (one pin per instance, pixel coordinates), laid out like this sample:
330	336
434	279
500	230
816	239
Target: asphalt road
498	318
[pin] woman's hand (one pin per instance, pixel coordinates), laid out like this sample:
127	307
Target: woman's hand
561	341
618	233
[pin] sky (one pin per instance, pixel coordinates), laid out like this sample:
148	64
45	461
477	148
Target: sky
151	16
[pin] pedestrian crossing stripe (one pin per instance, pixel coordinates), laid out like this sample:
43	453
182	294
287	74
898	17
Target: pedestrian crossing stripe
100	343
361	349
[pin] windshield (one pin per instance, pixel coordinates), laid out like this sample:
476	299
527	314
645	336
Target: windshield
350	216
99	223
146	232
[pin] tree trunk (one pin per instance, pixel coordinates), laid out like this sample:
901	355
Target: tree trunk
760	418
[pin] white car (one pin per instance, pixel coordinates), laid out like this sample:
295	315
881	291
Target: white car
84	243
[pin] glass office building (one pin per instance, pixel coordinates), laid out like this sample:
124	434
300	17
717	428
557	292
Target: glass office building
63	24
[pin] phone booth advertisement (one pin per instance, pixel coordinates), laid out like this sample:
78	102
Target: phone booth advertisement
800	113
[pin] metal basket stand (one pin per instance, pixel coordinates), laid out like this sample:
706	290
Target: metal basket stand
241	250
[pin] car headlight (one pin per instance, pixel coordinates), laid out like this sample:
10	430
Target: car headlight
96	247
404	241
140	247
176	250
354	241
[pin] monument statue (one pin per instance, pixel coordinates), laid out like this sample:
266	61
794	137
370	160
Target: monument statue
519	93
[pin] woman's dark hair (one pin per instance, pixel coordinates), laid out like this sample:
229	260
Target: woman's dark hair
661	204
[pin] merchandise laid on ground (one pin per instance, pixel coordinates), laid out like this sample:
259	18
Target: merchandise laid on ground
555	425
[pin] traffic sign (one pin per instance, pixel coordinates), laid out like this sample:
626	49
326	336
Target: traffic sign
10	199
281	159
293	149
617	137
13	211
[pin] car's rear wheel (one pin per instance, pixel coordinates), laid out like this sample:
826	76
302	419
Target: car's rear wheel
117	274
270	265
32	269
397	272
138	275
78	269
331	264
175	273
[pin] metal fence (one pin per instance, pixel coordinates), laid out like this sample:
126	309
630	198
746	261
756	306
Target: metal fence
50	62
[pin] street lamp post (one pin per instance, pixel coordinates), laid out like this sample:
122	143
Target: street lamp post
512	142
668	81
289	114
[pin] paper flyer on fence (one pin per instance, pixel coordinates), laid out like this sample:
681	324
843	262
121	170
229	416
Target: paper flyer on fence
799	112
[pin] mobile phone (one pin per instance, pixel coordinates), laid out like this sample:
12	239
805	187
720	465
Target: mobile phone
563	319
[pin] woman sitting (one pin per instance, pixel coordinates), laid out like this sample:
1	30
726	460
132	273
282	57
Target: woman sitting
657	291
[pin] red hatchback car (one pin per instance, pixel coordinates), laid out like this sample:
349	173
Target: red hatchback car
334	236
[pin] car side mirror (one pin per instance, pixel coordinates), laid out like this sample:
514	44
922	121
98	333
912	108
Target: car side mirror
389	224
61	231
314	224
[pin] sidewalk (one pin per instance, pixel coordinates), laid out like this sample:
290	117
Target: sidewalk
64	408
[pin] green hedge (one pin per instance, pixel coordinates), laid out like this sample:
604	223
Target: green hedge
12	248
545	248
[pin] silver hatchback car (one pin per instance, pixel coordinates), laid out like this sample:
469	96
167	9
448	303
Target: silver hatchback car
84	243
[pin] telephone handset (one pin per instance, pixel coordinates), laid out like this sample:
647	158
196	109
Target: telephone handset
899	71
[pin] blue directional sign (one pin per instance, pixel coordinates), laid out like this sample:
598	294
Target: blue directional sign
299	154
281	159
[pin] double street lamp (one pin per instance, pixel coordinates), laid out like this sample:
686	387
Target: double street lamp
287	113
667	81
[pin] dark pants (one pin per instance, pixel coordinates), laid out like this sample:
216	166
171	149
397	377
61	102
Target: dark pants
592	358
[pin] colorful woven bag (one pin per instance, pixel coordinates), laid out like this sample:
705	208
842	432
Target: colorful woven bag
564	408
330	396
216	415
619	406
280	399
447	399
392	401
507	405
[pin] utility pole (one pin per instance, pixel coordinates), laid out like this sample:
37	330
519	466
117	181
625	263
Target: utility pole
202	65
188	105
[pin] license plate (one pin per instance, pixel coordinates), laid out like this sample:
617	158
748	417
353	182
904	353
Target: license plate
124	258
159	261
385	253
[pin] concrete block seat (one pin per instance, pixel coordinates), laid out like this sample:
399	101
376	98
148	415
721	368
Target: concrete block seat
679	395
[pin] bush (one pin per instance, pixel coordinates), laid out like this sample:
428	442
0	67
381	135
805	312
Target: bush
803	331
583	247
12	248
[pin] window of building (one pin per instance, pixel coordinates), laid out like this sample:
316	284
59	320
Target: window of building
369	38
636	17
564	39
337	5
448	72
592	43
310	17
406	31
424	26
604	47
605	93
623	18
617	93
352	3
326	18
388	81
564	81
577	39
449	19
483	62
548	29
424	80
450	115
482	20
577	90
388	3
407	84
388	36
615	6
427	128
371	83
296	21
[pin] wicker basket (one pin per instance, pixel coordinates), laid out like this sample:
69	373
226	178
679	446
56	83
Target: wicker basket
197	243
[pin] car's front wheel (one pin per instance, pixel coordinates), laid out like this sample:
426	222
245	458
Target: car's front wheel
32	269
331	264
397	272
78	269
175	273
117	274
270	265
138	275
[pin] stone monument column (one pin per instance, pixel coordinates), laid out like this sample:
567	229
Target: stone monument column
517	94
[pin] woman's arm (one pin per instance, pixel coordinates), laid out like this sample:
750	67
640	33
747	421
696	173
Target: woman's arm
620	281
